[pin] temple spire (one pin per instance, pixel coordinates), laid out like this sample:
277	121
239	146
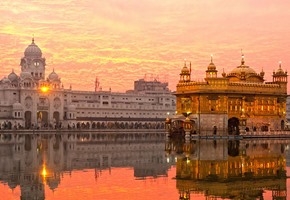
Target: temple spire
211	58
32	39
243	58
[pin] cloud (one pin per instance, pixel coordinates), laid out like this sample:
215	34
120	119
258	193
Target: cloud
128	38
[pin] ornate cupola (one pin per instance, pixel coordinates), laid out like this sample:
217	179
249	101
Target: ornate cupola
211	71
185	73
280	76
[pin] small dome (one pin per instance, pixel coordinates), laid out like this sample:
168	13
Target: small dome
280	70
32	50
24	75
6	80
53	76
12	76
185	70
17	106
211	66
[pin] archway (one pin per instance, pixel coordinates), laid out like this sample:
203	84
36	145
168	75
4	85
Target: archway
56	118
233	126
42	118
282	125
27	117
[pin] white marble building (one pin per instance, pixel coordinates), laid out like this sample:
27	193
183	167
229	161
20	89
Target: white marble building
34	100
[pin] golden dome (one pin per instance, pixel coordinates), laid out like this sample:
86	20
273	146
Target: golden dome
279	70
242	69
184	70
246	70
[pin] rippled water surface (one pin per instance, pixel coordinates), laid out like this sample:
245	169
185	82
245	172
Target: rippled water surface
140	166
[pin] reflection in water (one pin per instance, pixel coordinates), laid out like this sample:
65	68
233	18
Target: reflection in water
232	169
33	161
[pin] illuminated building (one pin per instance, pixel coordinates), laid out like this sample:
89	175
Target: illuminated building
34	100
238	100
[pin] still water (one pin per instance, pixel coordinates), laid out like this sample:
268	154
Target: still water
118	165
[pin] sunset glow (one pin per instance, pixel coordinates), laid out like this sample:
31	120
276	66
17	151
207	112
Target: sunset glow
44	89
122	40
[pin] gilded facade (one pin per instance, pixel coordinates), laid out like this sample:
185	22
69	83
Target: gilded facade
234	101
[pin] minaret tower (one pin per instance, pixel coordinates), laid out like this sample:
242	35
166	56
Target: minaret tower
211	71
33	62
280	77
185	73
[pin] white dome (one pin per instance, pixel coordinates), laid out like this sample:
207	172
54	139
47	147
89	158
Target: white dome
32	50
17	106
6	80
12	76
53	76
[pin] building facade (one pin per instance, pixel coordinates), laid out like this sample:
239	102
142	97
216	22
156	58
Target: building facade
288	112
238	100
34	100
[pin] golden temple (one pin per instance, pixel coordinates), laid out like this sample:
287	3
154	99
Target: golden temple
235	101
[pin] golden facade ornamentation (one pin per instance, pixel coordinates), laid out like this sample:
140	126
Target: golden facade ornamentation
238	100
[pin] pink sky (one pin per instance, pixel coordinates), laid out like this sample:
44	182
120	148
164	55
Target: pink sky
122	40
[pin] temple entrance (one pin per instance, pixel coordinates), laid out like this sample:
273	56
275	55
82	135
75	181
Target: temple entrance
233	126
42	118
282	125
27	117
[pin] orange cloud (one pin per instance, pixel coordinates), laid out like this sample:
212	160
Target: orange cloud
106	38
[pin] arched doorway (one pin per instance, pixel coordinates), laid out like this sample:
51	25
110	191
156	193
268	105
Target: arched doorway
282	125
27	117
42	118
233	126
56	118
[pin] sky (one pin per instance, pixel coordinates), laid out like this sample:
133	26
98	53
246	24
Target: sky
119	41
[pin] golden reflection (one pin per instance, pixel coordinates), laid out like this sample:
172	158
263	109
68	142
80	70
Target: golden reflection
44	172
234	169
